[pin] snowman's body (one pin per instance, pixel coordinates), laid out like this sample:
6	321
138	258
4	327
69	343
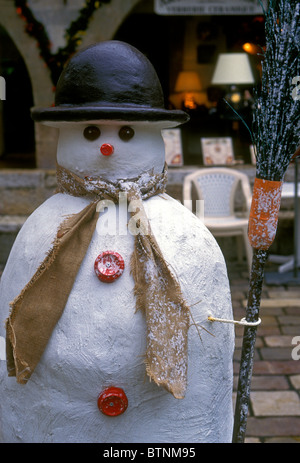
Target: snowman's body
100	339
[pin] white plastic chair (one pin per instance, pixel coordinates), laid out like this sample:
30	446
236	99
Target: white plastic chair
217	187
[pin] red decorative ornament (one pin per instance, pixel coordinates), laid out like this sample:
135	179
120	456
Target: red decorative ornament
112	401
109	266
107	149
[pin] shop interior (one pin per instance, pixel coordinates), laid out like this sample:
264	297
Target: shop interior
201	62
187	53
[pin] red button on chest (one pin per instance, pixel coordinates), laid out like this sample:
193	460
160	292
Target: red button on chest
112	401
109	266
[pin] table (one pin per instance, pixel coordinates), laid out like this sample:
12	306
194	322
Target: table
288	191
288	270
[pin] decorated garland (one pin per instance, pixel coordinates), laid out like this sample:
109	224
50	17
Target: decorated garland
56	61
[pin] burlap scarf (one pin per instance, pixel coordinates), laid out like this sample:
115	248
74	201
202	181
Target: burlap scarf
39	306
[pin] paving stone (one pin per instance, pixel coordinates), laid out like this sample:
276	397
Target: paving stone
295	380
276	353
239	330
268	330
268	320
240	285
290	302
275	403
282	440
290	329
238	342
289	320
236	367
233	400
237	295
273	426
291	293
275	311
278	341
267	383
252	440
239	311
285	367
292	289
292	310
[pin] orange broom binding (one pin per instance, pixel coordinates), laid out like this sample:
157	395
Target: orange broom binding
264	213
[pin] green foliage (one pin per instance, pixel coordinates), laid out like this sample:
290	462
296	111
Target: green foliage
56	61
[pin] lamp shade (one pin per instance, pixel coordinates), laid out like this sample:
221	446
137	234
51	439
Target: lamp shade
232	69
188	81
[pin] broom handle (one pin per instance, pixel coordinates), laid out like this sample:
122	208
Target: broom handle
249	338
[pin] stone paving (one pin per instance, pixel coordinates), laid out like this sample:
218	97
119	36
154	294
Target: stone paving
274	411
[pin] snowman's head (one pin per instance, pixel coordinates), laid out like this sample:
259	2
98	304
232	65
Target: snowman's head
111	149
109	94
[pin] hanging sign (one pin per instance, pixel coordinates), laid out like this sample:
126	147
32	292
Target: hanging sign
212	7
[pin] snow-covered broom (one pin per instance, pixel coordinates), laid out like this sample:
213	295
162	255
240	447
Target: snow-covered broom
276	127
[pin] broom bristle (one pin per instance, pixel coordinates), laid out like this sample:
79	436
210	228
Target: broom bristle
276	121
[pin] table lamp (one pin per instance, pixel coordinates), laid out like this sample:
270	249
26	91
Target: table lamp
233	70
188	83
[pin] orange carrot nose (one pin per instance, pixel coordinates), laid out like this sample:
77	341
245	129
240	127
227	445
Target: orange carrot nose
107	149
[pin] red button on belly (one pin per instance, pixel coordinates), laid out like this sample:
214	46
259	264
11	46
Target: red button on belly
112	401
109	266
107	149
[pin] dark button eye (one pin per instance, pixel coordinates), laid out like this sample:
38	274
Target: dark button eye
91	133
126	133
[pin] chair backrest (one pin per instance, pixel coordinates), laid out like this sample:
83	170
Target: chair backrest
217	187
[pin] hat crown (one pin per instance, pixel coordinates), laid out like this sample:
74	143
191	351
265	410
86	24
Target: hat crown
111	73
109	80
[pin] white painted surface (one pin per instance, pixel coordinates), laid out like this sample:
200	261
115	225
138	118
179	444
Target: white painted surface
142	153
100	339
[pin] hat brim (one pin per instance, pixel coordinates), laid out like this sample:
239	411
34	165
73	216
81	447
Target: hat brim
68	113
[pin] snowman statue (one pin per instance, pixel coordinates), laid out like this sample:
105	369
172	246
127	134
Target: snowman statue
106	294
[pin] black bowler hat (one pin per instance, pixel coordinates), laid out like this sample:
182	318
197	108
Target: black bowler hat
110	81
